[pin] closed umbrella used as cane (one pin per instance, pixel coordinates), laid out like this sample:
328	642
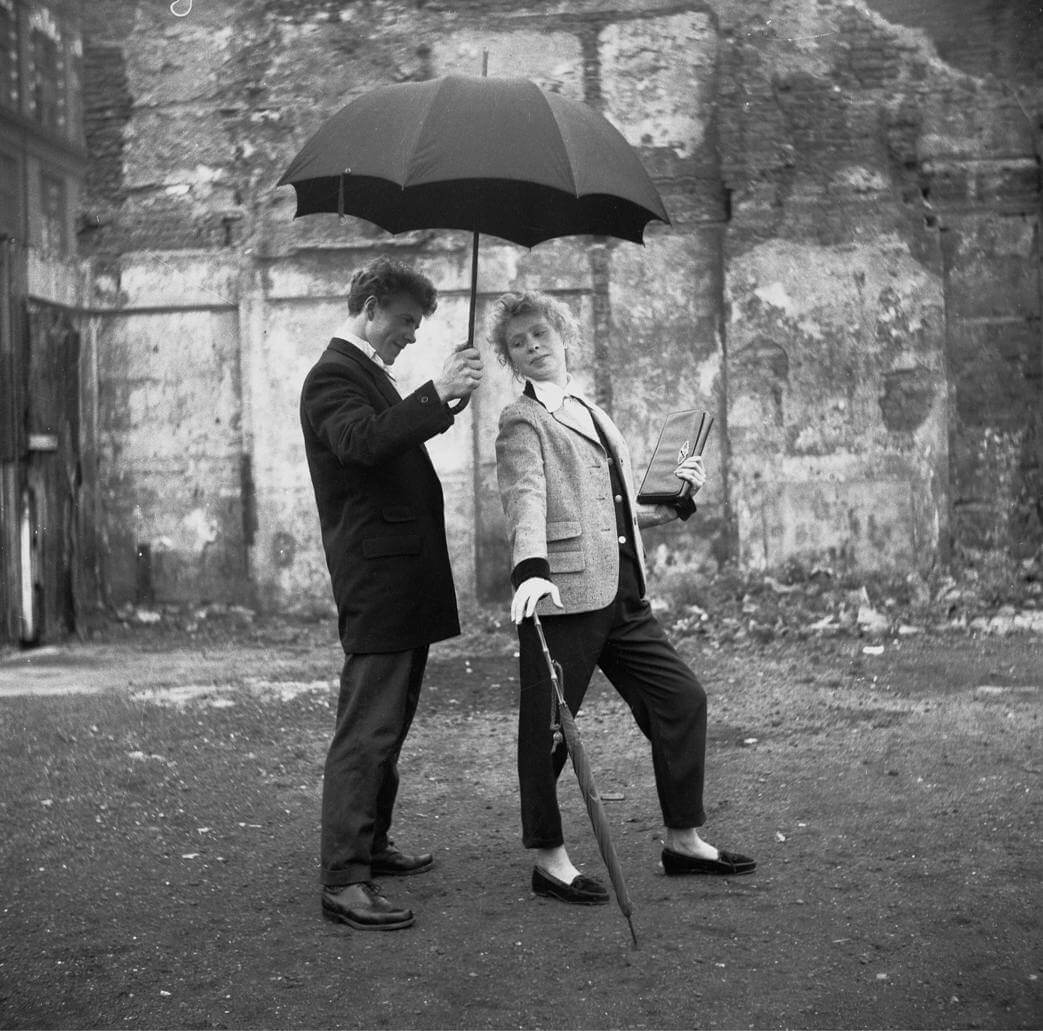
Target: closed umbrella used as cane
587	785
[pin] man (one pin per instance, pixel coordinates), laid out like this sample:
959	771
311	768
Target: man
383	530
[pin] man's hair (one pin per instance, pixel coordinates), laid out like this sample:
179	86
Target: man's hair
507	306
384	278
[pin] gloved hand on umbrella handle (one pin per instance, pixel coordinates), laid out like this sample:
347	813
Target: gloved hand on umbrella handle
528	596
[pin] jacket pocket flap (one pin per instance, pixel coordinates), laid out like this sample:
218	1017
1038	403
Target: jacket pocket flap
381	547
564	529
566	561
398	514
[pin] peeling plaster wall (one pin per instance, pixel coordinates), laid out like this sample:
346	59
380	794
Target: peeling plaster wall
850	280
837	413
170	432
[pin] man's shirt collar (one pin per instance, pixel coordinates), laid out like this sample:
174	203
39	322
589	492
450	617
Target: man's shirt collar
365	347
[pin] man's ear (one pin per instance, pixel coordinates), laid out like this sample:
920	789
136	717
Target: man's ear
370	306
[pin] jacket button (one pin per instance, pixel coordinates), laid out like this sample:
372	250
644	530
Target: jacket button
622	540
423	399
619	498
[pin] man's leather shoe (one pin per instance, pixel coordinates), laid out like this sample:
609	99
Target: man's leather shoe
393	863
582	891
676	864
363	907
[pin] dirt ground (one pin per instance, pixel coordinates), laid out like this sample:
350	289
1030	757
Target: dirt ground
160	799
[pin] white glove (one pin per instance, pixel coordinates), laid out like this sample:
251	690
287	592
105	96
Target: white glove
528	596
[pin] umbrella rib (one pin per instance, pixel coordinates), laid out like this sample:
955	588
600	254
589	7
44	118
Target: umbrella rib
561	135
409	151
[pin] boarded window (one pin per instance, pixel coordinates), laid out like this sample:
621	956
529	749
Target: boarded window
10	206
9	94
53	227
48	81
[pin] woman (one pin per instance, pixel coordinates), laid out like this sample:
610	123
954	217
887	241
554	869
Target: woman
573	522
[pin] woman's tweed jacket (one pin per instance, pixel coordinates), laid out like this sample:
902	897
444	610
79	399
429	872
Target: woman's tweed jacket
557	497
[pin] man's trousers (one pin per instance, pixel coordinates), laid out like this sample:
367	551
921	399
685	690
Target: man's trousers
378	699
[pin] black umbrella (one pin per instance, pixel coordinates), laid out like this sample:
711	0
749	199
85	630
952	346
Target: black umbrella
589	789
486	155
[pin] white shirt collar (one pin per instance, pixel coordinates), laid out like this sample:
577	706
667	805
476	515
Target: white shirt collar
364	346
552	397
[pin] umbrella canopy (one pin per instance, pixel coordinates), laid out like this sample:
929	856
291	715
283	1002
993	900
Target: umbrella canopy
588	787
497	156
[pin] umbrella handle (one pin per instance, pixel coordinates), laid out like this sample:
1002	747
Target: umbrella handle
464	401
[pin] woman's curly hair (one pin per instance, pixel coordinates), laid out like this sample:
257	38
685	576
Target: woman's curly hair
509	305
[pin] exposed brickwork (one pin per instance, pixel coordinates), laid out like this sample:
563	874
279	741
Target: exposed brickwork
872	137
1002	39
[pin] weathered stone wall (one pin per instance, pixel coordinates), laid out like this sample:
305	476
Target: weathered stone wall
170	452
978	152
850	280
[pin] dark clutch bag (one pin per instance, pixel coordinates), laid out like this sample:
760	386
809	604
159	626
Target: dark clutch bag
683	434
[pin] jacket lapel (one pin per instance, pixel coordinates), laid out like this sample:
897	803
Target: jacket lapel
346	352
617	445
369	368
565	417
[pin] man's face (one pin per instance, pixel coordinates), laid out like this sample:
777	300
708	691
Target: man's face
392	326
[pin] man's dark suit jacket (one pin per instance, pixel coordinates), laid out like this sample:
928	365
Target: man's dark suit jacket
380	503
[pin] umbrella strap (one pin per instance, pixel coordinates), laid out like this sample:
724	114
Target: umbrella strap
555	710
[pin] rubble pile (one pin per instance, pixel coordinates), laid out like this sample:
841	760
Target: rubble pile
731	606
802	603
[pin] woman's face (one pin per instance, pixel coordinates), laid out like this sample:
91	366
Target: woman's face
535	349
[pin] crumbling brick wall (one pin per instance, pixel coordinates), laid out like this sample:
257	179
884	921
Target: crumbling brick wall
850	279
883	246
980	179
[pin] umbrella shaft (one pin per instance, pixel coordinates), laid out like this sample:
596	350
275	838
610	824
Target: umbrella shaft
474	289
551	664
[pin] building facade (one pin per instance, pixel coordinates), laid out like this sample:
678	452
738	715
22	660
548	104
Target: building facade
45	510
850	279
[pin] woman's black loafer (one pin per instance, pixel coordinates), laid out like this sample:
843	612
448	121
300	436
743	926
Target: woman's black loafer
583	891
677	864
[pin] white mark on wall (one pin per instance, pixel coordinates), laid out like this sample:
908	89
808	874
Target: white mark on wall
194	532
775	295
709	372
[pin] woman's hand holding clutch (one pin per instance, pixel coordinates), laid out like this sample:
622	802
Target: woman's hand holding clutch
692	471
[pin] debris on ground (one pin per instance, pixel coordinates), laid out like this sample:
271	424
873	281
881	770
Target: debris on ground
998	598
802	602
